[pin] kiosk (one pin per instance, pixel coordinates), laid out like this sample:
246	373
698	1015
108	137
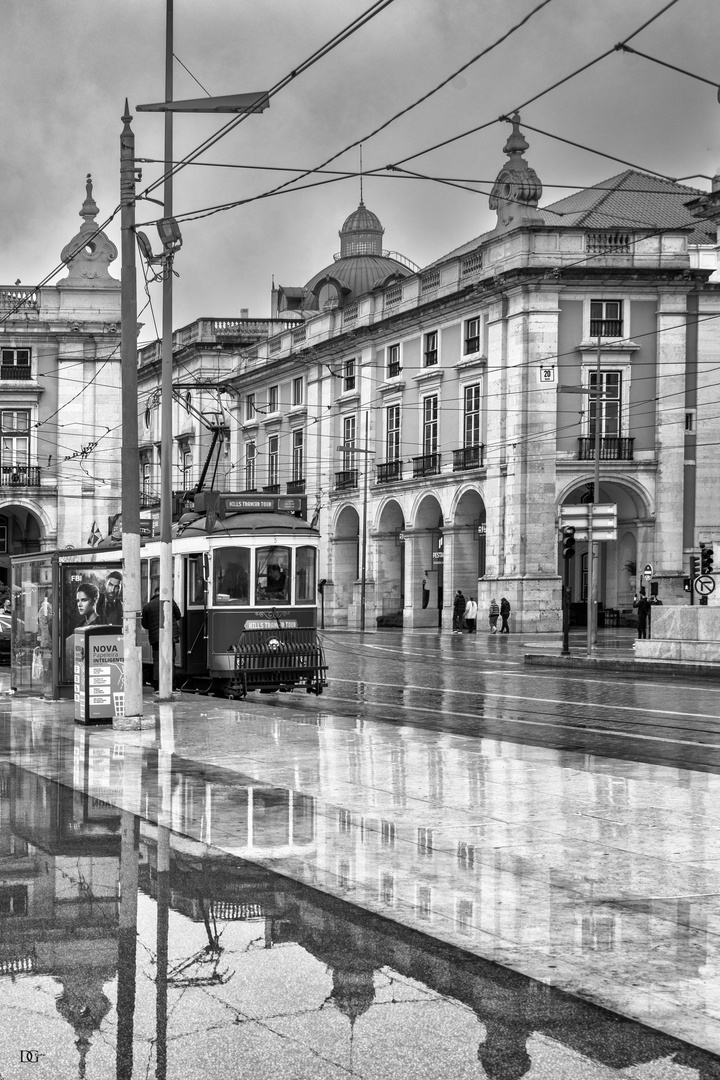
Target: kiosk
99	676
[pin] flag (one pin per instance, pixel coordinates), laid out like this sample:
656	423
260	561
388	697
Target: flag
95	535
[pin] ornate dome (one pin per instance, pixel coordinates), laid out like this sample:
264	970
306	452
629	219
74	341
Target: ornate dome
361	233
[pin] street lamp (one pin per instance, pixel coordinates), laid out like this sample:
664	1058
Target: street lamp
170	237
350	449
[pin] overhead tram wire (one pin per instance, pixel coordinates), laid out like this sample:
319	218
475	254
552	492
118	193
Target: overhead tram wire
342	35
542	93
195	215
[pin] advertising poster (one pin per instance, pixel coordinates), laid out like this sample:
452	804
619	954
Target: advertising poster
91	594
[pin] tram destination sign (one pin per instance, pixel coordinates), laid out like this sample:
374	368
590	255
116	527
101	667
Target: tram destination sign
225	504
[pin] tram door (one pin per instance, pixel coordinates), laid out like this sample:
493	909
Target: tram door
194	632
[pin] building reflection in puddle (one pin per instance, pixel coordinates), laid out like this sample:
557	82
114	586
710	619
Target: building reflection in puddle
163	956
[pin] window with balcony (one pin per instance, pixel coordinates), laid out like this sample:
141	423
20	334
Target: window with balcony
273	399
15	437
430	424
430	348
349	436
606	318
605	409
250	407
471	415
392	428
186	466
349	376
273	460
471	337
15	364
393	361
298	448
297	391
250	462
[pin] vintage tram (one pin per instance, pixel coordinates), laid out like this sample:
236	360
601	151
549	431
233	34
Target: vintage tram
245	581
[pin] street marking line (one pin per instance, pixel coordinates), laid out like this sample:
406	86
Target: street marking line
544	701
534	723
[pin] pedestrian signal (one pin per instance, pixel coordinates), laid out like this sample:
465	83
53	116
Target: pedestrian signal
687	585
706	558
568	539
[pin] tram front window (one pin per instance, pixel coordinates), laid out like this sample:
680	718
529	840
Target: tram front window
272	573
231	578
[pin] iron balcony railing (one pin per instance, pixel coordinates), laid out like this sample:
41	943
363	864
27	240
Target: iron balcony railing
426	465
15	371
468	457
389	471
21	476
295	487
271	489
606	328
346	479
612	448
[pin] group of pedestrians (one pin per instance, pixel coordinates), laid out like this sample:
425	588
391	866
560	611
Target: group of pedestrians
465	614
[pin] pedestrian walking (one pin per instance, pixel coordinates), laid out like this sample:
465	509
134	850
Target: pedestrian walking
643	610
471	611
151	620
458	612
504	615
493	616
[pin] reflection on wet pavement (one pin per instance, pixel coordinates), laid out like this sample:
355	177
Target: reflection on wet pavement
133	945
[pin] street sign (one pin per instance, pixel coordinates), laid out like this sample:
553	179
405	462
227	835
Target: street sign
648	570
704	585
602	515
547	374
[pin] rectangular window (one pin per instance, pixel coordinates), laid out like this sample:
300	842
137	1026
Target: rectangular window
273	399
146	476
387	833
273	459
423	901
297	391
430	348
349	377
393	361
606	318
298	472
349	429
250	407
608	407
472	336
15	436
430	424
464	916
386	891
425	841
392	444
250	455
471	415
186	464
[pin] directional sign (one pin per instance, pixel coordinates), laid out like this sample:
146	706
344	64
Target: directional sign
603	516
704	585
648	570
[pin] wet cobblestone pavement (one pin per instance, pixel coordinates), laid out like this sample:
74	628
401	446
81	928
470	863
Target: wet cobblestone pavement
448	865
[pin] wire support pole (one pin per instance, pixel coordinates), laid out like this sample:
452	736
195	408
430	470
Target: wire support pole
363	568
130	463
593	545
166	426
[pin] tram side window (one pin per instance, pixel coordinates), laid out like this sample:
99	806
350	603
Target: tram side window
272	575
154	576
144	581
196	582
232	575
305	575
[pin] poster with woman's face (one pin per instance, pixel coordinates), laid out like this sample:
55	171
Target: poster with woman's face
91	593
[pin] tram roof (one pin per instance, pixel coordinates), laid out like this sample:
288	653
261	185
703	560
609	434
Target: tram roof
233	524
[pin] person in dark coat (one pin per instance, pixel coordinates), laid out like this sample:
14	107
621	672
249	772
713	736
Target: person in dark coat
151	620
504	615
458	612
643	610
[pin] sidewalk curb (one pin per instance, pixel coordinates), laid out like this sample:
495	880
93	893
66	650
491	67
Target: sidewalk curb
629	666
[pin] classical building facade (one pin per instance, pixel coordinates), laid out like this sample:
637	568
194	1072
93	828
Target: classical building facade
60	401
439	420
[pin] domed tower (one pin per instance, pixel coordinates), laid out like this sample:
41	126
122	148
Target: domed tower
360	266
517	189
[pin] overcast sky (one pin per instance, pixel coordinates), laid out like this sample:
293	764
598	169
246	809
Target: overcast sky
68	65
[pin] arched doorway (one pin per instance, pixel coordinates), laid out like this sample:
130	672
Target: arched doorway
346	564
21	533
427	573
617	558
468	548
390	565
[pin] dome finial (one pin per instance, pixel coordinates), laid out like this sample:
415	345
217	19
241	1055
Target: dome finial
517	189
361	177
517	143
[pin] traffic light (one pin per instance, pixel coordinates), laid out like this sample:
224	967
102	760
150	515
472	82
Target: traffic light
687	584
706	558
694	566
568	537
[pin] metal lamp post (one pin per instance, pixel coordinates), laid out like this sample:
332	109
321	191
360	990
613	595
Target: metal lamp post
229	103
363	549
